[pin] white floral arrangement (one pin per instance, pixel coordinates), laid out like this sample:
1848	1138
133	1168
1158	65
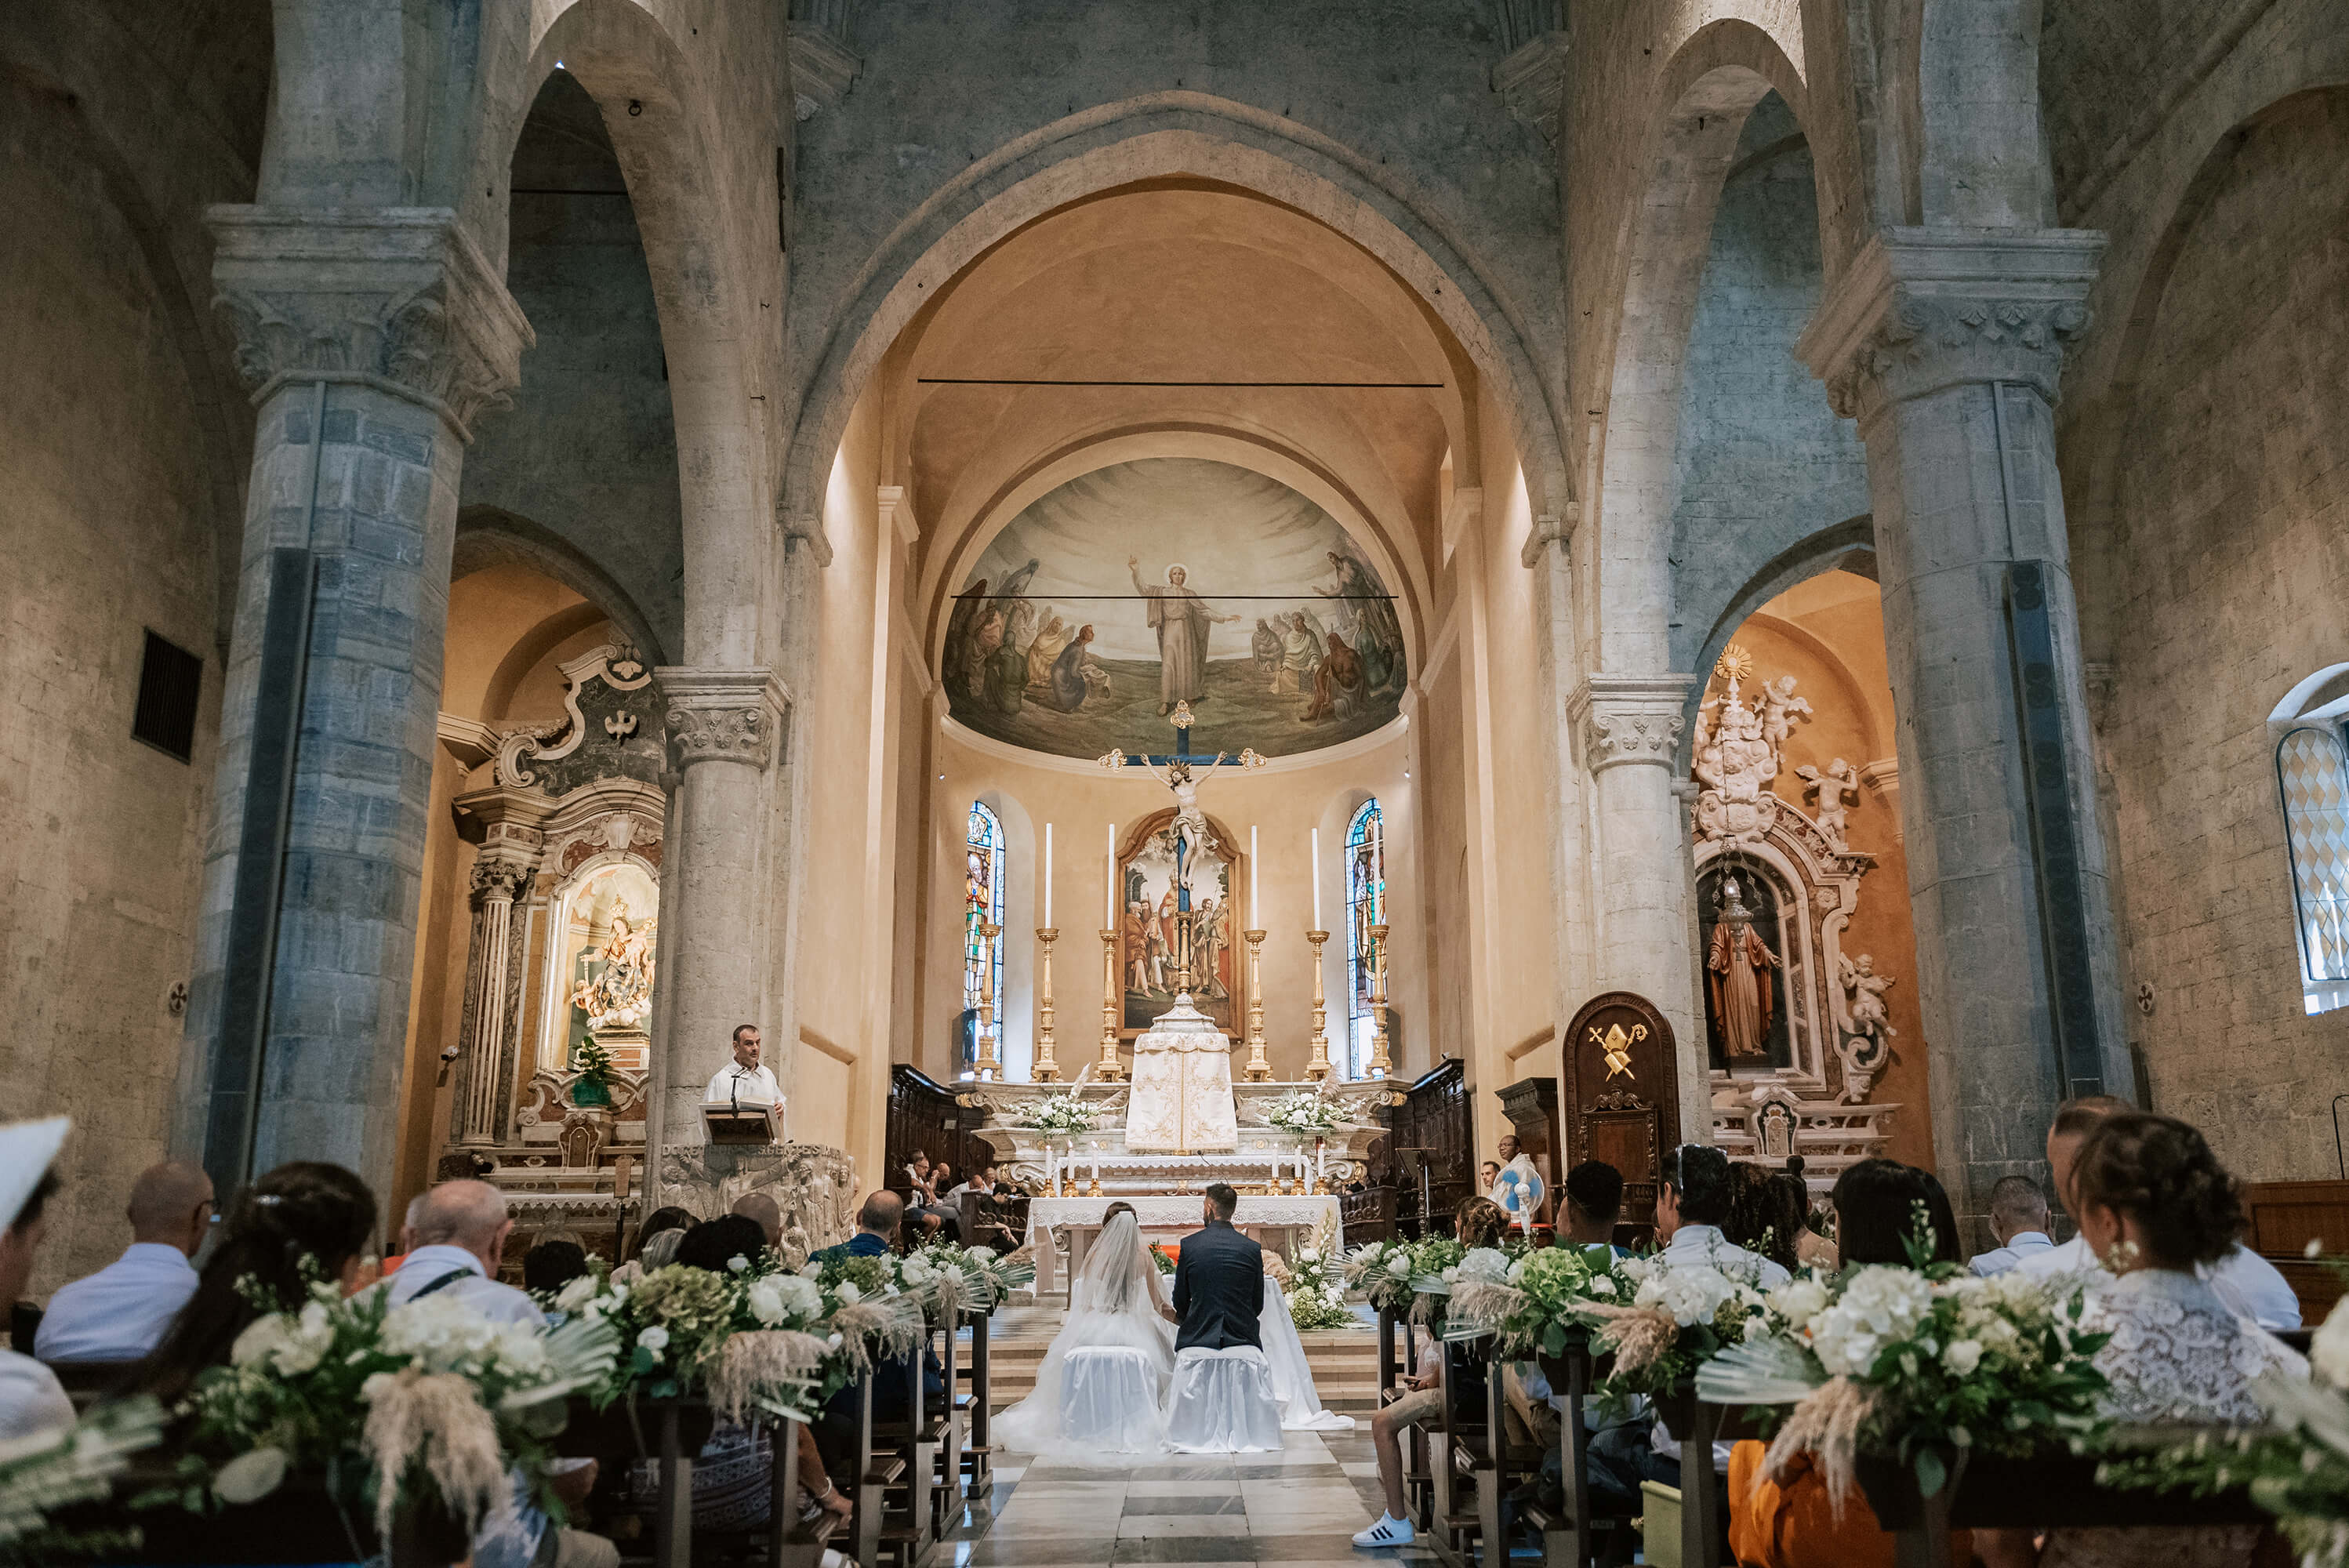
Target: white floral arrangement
1317	1285
1059	1115
1302	1111
1542	1301
49	1470
442	1404
1914	1363
960	1279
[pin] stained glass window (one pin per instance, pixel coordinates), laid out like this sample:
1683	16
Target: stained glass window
2313	774
983	849
1365	902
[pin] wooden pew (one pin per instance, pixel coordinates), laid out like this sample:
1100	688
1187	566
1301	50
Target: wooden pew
1695	1427
1568	1532
977	1440
1419	1481
1468	1458
2050	1491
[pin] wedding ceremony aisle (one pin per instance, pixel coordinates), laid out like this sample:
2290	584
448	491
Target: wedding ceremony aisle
1298	1507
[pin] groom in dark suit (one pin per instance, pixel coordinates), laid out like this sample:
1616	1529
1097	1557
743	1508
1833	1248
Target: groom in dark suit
1218	1281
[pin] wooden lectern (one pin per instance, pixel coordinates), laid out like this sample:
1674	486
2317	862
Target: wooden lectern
732	1122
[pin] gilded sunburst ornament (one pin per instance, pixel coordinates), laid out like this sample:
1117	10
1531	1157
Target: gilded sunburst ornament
1734	664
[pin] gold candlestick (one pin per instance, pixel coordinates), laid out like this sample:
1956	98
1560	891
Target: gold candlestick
1109	1069
987	1068
1318	1067
1380	1063
1259	1069
1048	1069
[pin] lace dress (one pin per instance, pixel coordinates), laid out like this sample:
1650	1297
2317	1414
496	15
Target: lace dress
2177	1358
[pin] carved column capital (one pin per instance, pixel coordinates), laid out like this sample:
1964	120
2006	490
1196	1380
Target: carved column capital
724	715
1629	718
498	881
397	298
1922	309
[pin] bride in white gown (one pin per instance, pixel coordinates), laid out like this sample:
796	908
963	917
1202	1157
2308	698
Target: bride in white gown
1117	1322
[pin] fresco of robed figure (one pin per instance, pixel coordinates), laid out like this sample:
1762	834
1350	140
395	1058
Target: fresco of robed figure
1128	589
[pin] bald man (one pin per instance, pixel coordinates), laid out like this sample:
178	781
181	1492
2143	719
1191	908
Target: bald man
455	1246
765	1211
120	1313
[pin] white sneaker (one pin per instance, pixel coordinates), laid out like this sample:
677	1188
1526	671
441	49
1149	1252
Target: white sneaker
1388	1531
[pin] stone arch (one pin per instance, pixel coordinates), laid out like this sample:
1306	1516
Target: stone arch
2111	398
487	536
1847	546
1706	93
1163	135
669	149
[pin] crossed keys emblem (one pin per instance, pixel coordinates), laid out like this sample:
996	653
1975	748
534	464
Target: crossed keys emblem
1615	1046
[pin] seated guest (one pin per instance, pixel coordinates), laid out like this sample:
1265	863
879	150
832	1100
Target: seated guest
547	1267
731	1485
670	1218
391	1261
982	1180
1785	1520
458	1246
1594	1200
1767	1211
1691	1206
2253	1287
305	1210
763	1211
1476	1223
2151	1197
893	1381
31	1399
120	1313
2018	1218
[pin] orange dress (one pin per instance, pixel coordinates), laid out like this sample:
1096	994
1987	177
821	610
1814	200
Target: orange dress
1789	1524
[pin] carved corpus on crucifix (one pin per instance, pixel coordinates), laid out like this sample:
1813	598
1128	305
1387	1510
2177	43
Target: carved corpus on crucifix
1184	772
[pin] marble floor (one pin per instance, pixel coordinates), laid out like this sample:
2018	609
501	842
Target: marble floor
1296	1508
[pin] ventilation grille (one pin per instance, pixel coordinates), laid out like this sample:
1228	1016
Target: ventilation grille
170	678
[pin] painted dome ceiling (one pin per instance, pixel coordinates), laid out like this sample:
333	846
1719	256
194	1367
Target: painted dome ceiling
1111	598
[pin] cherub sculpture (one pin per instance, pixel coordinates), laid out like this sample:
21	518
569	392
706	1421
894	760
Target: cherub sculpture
1838	789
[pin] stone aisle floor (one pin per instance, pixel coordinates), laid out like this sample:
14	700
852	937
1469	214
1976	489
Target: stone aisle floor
1297	1507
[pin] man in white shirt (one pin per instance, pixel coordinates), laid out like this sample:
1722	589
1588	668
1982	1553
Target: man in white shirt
2253	1288
2018	1218
120	1313
455	1248
456	1242
32	1401
744	1080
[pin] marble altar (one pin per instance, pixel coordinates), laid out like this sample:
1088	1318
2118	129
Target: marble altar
1181	1100
1055	1224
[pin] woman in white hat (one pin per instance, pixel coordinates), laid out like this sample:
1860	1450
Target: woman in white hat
31	1399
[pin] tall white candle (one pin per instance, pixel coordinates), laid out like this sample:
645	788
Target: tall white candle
1321	1158
1109	882
1317	879
1378	872
1255	909
1048	875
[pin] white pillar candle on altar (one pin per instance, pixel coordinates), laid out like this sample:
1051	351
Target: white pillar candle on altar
1109	882
1378	874
1047	876
1317	879
1321	1158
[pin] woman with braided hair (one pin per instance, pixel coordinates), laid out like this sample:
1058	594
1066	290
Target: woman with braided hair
307	1209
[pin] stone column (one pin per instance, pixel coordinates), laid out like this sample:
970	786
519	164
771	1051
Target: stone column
372	337
1947	345
492	965
724	726
1629	727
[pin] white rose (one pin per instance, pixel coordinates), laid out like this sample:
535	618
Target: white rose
576	1295
1600	1285
1799	1300
2328	1348
260	1340
1963	1357
251	1476
737	1264
654	1340
982	1255
809	1269
849	1292
765	1298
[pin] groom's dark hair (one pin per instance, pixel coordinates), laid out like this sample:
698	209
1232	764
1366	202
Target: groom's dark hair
1222	1199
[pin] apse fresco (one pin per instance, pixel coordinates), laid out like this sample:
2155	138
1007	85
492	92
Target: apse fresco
1173	580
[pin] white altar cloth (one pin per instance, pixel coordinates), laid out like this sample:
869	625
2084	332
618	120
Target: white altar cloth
1177	1214
1181	1099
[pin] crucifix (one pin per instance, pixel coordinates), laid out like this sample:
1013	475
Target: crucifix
1183	771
